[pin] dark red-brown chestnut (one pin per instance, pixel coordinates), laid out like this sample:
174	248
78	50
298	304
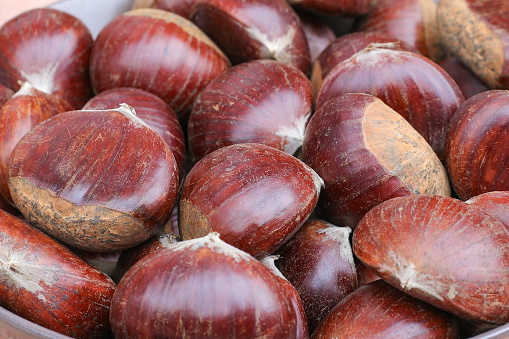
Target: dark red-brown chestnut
50	49
318	260
5	94
43	281
260	101
378	310
440	250
348	8
157	51
153	111
478	145
97	180
180	7
201	288
318	33
411	21
254	195
254	29
494	203
367	153
414	86
477	32
23	111
467	81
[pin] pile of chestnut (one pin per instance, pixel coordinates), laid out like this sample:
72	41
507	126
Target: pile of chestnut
239	169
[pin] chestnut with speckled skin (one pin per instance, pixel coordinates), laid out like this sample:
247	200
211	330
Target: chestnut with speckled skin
378	310
478	145
254	195
159	52
254	29
44	282
51	50
415	87
442	251
261	101
101	180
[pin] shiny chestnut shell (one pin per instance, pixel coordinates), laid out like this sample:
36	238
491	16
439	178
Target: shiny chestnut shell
494	203
97	180
348	8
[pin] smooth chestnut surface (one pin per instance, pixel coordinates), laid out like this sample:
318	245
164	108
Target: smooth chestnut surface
157	51
440	250
254	29
359	316
477	33
318	260
494	203
50	49
254	195
411	21
96	180
478	145
414	86
467	81
44	282
350	8
202	288
153	111
318	33
260	101
23	111
180	7
367	153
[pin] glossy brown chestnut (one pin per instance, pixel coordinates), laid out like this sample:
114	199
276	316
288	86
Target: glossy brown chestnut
254	195
367	153
495	203
201	288
334	7
359	316
478	145
159	52
318	261
254	29
467	81
50	49
477	33
180	7
411	21
5	94
97	180
364	274
442	251
260	101
318	33
415	87
46	283
153	111
23	111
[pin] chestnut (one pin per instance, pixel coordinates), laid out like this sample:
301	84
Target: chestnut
153	111
494	203
318	260
348	8
50	49
101	180
157	51
180	7
260	101
478	145
440	250
254	29
367	153
43	281
468	82
254	195
201	288
359	316
5	94
414	86
318	33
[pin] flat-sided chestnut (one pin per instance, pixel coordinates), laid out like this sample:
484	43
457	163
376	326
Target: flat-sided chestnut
23	111
153	111
477	32
159	52
96	180
411	21
414	86
318	261
254	195
378	310
260	101
478	145
442	251
254	29
367	153
46	283
202	288
50	49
